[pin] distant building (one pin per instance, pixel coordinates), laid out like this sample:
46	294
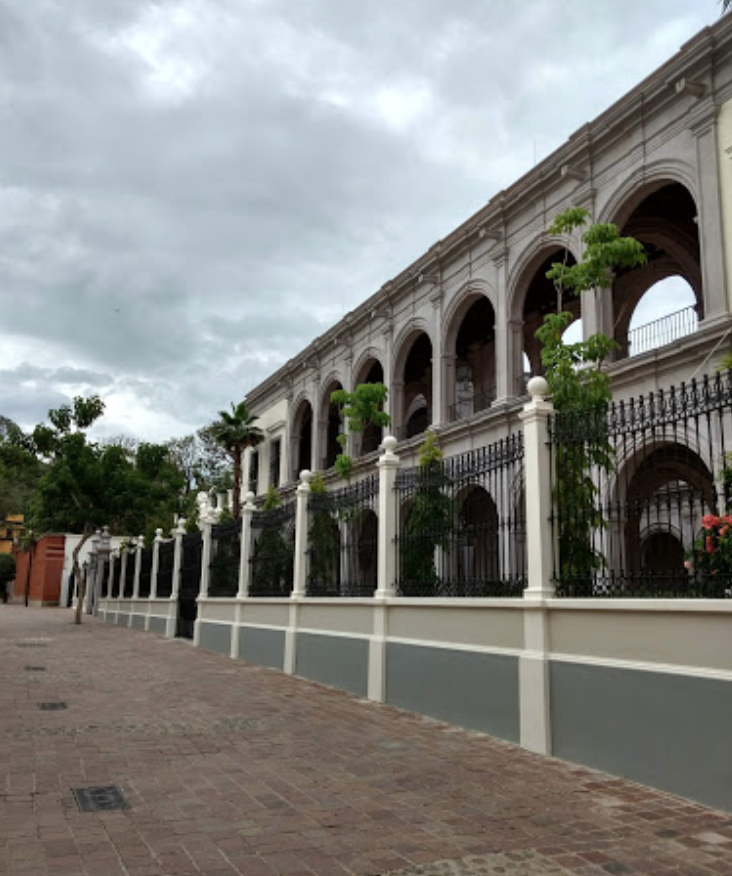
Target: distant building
12	529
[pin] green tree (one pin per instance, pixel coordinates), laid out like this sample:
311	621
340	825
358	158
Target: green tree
579	387
359	409
88	485
235	432
20	469
428	525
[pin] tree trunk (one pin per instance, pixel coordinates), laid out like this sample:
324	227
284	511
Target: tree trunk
236	510
77	576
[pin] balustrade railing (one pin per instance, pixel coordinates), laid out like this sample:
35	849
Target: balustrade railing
659	332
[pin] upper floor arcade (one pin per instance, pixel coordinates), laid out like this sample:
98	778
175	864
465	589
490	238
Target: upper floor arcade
454	335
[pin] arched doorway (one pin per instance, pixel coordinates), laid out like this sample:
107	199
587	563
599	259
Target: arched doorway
666	312
478	564
302	439
416	407
330	425
370	439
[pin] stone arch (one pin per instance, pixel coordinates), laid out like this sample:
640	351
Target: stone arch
660	210
478	547
369	370
301	435
626	196
364	362
412	380
329	422
469	358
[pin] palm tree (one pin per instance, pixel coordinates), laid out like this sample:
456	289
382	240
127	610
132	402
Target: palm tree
235	432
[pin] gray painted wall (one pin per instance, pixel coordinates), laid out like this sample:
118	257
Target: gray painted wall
157	625
335	660
138	621
215	637
475	690
262	647
123	619
668	731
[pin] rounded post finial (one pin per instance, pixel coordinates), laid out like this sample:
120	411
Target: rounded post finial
389	444
306	476
538	388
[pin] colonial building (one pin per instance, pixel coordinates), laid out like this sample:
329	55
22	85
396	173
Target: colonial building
453	335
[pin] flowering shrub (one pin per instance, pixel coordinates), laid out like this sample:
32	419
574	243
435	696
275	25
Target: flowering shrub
711	553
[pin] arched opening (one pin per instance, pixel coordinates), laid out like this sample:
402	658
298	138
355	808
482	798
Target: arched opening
664	220
475	360
416	412
330	426
302	441
668	493
665	313
541	299
478	563
371	372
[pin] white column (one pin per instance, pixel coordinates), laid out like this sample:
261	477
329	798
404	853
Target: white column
177	532
388	466
123	572
157	541
206	525
534	693
138	560
537	467
439	395
247	511
299	583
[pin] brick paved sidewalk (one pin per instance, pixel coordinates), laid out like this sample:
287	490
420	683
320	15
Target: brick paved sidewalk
233	769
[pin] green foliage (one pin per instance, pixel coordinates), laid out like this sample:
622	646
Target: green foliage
429	522
580	388
272	500
324	541
20	469
359	409
235	432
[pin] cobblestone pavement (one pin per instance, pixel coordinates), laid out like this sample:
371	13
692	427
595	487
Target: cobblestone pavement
233	769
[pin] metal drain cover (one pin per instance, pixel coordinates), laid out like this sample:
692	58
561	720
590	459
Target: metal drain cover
101	799
52	707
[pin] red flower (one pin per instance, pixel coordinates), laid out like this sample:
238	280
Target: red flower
709	545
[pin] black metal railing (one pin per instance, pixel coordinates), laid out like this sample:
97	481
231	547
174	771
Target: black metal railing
166	559
343	540
225	559
641	493
660	332
273	552
114	577
145	571
466	407
129	582
189	585
461	524
104	579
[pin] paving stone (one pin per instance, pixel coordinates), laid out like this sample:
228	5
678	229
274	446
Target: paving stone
234	769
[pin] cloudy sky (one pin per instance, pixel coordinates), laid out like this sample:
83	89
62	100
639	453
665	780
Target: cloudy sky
192	190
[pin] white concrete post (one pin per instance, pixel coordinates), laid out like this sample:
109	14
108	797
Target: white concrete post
247	512
123	572
388	466
205	557
155	563
138	562
299	583
534	693
537	467
177	532
300	575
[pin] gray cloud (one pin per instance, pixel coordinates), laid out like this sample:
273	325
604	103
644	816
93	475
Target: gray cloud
190	191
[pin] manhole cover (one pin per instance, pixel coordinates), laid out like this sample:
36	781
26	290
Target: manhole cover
52	707
101	799
35	668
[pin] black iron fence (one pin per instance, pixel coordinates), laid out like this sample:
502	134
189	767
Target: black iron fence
129	582
643	495
114	577
225	559
190	583
273	552
166	559
145	571
343	540
461	529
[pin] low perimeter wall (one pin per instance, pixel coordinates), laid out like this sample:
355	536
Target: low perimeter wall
639	688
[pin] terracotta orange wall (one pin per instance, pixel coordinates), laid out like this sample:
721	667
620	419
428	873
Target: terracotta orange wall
46	570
